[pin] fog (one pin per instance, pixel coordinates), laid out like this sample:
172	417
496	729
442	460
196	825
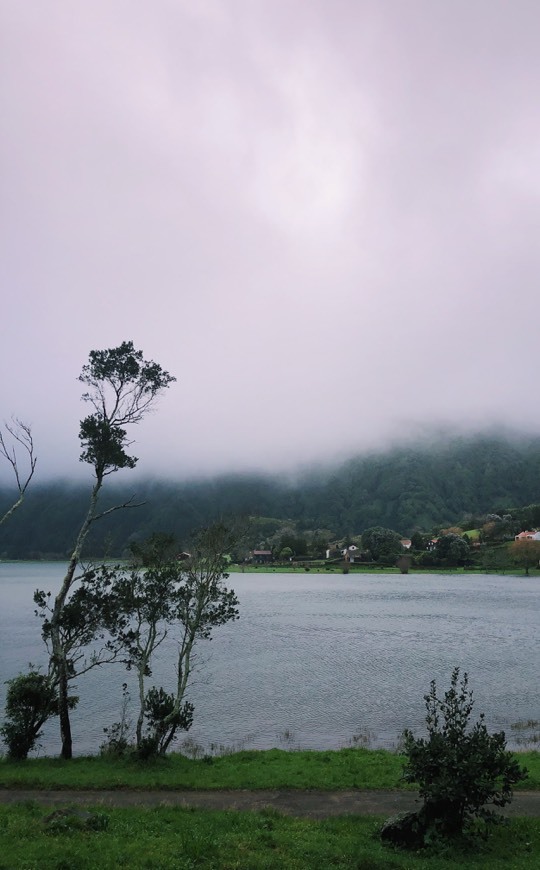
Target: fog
322	218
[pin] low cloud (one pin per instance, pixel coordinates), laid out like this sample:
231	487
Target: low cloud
322	220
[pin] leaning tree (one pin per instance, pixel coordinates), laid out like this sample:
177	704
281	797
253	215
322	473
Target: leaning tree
121	388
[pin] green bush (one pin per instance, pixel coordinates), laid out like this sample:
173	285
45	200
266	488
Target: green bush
31	699
162	720
460	768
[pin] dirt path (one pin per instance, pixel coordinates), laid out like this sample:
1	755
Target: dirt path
309	804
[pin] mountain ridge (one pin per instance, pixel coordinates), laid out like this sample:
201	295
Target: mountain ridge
405	488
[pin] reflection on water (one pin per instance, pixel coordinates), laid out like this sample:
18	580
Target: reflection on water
315	660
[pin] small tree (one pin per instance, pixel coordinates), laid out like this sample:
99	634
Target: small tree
30	701
383	545
460	768
495	559
158	598
136	604
19	435
419	541
452	549
202	604
525	554
82	623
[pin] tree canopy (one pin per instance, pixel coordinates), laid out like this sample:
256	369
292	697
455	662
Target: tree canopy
382	544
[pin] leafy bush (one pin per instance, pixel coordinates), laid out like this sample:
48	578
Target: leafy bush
66	821
162	719
459	768
31	700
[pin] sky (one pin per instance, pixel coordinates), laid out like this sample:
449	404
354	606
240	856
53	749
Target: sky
321	217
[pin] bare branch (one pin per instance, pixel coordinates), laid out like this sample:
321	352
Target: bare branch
118	507
19	434
96	660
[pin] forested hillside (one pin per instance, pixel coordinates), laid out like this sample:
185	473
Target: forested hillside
404	489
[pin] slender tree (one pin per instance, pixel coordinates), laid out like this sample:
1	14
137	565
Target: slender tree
158	598
136	605
202	603
122	388
18	435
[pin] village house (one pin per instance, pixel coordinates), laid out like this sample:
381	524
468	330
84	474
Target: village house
350	554
262	557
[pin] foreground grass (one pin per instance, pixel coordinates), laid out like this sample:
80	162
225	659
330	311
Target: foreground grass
274	768
184	839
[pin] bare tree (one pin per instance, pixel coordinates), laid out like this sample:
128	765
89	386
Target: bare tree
18	437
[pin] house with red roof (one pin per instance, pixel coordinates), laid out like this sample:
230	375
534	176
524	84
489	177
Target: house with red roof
528	536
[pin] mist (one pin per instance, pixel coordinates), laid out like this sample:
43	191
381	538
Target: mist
322	219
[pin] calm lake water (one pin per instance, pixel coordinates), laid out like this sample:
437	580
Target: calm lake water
315	660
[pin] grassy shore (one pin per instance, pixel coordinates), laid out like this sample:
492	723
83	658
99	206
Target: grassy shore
184	839
274	768
324	568
175	838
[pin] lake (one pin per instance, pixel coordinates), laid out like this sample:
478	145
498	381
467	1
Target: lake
317	661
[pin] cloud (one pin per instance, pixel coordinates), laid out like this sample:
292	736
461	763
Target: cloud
322	219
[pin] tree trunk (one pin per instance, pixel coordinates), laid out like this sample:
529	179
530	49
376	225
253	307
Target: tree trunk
59	663
140	718
65	724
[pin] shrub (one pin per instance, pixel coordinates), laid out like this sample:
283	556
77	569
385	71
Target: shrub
30	701
163	720
117	743
459	768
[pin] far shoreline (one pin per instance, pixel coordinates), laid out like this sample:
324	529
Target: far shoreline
307	568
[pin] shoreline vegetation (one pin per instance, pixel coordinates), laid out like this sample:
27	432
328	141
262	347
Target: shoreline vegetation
302	567
321	568
330	770
102	837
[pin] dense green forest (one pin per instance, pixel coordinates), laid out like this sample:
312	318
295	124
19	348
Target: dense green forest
406	489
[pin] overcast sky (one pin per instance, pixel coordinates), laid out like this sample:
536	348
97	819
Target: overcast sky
322	216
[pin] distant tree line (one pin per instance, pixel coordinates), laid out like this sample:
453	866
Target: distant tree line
408	490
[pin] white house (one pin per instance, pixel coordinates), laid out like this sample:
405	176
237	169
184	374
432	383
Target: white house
528	536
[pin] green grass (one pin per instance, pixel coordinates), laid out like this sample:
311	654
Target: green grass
274	768
323	568
184	839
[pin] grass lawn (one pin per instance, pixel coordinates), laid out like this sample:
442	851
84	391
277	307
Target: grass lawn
185	839
252	769
323	568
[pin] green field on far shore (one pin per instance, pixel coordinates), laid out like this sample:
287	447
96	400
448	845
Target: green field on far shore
325	568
